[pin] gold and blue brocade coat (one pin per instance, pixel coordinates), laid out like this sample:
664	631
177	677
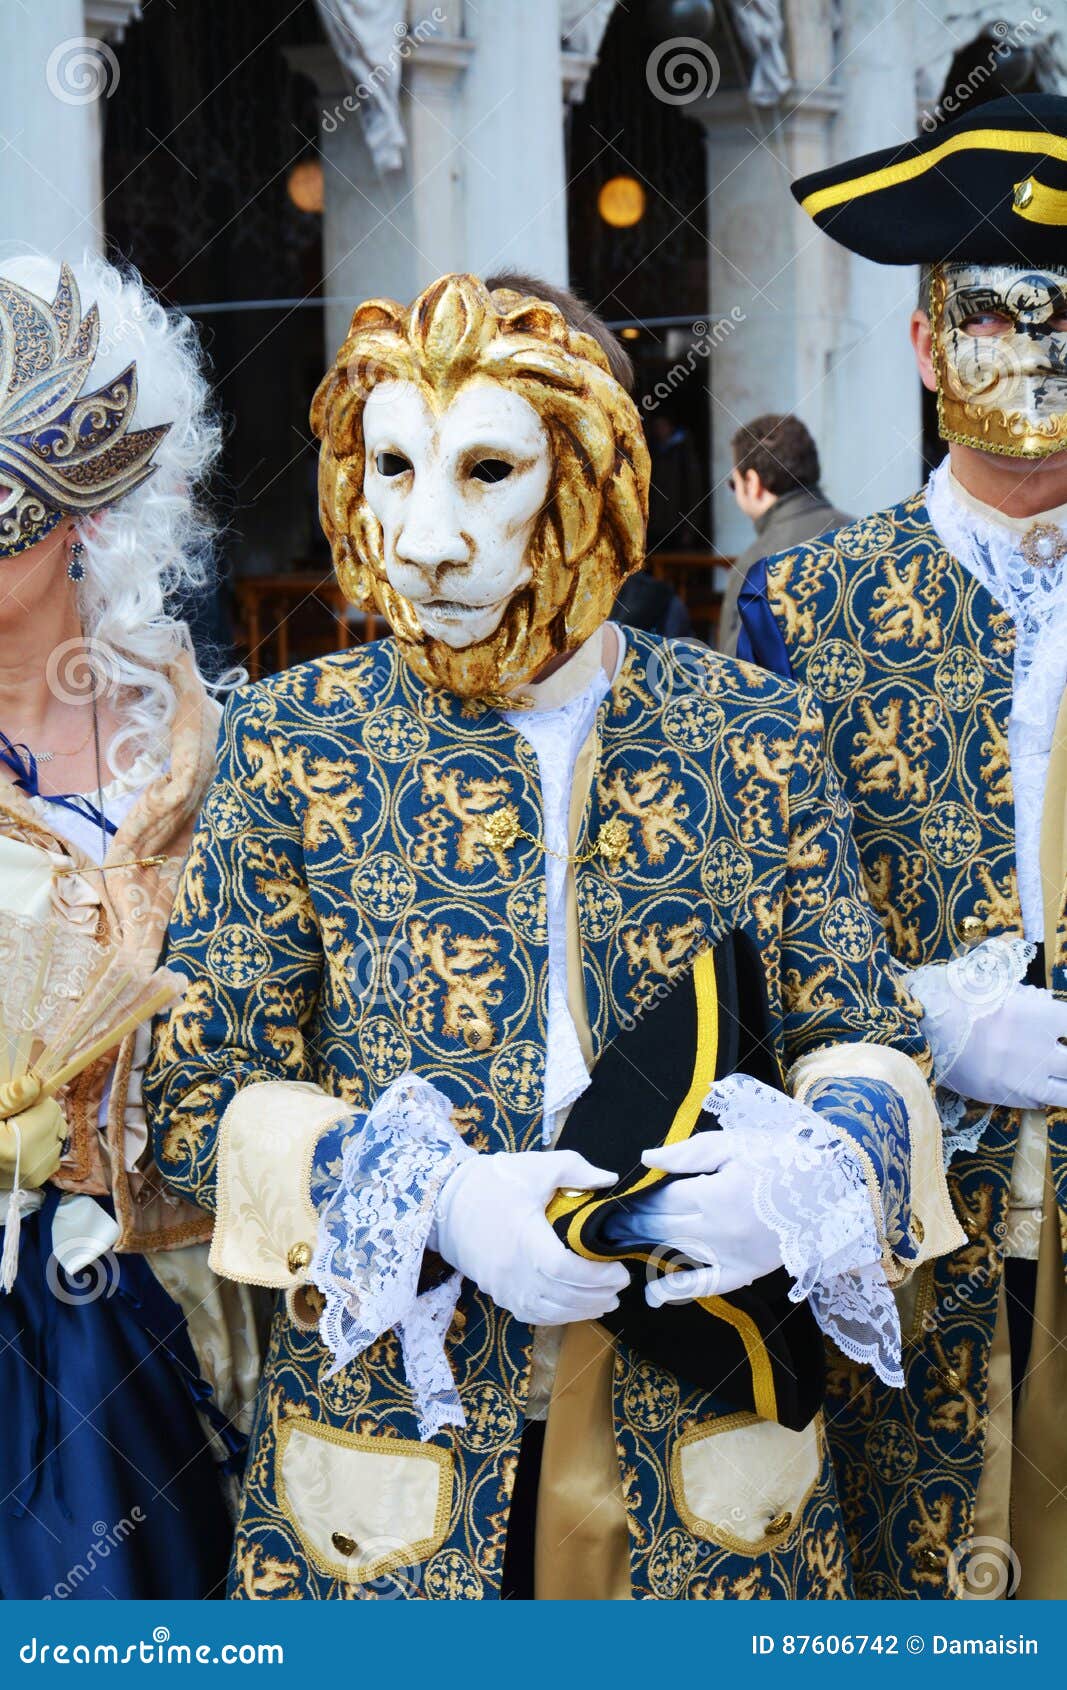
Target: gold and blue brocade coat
344	917
911	660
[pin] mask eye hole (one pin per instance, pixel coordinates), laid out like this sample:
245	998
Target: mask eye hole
491	469
391	463
984	323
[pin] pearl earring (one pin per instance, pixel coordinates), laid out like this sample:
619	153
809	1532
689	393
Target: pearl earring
75	566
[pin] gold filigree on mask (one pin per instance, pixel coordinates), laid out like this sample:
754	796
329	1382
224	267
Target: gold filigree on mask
591	533
974	418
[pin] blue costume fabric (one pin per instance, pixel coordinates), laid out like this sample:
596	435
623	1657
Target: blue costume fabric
107	1486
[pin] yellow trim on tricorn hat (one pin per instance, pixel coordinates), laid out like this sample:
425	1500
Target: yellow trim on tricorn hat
956	193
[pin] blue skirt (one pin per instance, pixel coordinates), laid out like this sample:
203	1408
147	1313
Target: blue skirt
107	1486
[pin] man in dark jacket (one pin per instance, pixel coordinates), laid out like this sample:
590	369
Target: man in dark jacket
775	481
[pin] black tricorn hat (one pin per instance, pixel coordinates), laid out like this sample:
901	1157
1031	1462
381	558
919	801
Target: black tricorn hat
988	188
754	1348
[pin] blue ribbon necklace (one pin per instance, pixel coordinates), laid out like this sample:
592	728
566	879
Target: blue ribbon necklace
23	765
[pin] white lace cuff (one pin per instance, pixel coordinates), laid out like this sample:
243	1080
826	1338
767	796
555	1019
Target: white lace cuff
372	1236
955	996
812	1192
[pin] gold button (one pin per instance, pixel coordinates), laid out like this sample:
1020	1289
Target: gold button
781	1523
929	1558
918	1230
344	1544
972	929
1024	193
971	1227
572	1191
299	1257
951	1378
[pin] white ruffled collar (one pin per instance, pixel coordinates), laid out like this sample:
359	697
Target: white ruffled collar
1035	596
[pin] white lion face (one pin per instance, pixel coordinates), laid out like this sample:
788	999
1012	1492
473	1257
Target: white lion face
458	494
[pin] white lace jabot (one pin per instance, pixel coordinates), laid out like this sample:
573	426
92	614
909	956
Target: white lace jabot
988	544
556	727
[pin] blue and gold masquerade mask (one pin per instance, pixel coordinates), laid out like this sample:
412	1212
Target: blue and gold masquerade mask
62	452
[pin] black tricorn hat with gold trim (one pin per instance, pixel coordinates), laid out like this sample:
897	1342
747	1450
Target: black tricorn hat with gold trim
754	1348
988	188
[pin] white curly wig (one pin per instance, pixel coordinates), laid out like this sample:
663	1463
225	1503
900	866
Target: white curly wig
156	542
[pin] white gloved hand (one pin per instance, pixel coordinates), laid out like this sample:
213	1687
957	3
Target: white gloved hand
1014	1056
491	1225
710	1218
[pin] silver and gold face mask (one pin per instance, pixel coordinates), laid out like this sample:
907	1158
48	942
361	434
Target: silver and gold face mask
1000	356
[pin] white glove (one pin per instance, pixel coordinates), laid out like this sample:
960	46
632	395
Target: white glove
491	1225
709	1218
1015	1056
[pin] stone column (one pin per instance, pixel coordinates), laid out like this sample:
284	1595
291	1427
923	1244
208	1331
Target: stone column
773	284
56	70
873	453
516	189
390	233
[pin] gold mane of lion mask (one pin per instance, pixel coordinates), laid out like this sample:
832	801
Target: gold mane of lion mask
591	534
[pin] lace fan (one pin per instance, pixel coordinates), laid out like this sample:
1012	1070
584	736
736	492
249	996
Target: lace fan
66	999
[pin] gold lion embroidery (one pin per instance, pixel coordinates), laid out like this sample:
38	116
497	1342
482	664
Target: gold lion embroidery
628	689
979	1254
462	801
329	793
460	966
768	771
792	609
928	1537
1000	906
996	770
897	900
288	898
260	1575
824	1557
891	766
655	955
651	799
902	610
805	997
952	1404
748	1587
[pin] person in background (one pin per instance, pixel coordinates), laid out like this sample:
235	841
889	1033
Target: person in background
775	480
